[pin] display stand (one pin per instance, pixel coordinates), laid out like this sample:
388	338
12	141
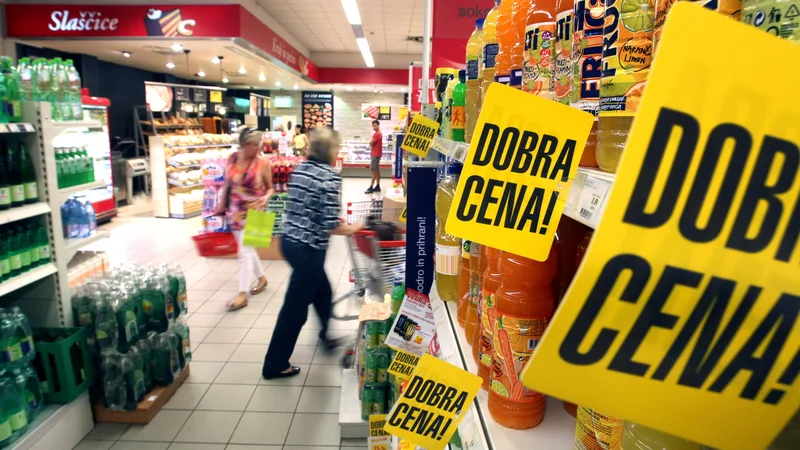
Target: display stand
356	159
146	409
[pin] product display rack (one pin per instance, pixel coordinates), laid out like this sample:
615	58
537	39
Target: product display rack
359	166
43	293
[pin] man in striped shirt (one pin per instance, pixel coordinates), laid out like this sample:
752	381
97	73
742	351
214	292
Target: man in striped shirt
312	215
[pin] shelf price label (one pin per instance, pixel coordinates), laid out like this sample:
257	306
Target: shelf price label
403	364
378	438
684	314
592	197
433	403
420	135
518	172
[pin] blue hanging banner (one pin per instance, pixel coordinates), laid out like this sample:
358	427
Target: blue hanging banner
420	228
397	164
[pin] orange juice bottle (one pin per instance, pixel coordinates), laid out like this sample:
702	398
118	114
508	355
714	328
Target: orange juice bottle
519	17
505	41
524	306
582	239
587	65
489	48
473	309
562	70
482	340
596	431
539	57
474	284
464	276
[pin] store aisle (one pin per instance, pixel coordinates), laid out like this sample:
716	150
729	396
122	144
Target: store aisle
225	404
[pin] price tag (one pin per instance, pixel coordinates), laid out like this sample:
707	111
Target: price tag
28	127
12	128
3	128
378	438
592	197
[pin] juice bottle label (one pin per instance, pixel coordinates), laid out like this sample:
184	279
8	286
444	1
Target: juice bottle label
489	54
503	79
587	52
4	266
5	430
31	191
447	259
34	255
25	258
18	193
465	246
627	53
595	431
458	118
15	261
19	420
473	71
562	72
26	345
515	339
5	195
537	63
488	315
44	251
131	328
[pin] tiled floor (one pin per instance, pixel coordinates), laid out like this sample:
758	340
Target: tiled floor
225	404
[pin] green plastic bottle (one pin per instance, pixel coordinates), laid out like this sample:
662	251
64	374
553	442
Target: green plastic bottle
157	303
143	347
5	269
13	82
458	117
27	78
29	184
24	249
14	257
43	241
30	230
133	371
165	359
13	411
5	184
27	347
3	99
15	178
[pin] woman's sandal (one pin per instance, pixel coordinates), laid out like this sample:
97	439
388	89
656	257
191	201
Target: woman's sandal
294	371
232	306
259	289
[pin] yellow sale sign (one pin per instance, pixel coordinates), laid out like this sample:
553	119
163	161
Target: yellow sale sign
518	172
433	403
419	135
684	314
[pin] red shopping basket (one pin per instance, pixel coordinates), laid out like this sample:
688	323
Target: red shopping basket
216	244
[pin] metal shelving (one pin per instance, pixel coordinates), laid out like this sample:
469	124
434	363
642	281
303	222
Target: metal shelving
23	212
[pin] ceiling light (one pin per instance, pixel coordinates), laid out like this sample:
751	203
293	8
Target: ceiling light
380	92
201	73
295	86
262	78
216	60
222	110
177	47
170	65
351	11
402	89
126	54
242	71
277	83
225	80
363	45
351	88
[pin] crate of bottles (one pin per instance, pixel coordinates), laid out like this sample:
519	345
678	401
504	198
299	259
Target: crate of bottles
64	363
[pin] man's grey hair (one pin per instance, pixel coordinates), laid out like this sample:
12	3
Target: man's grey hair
324	144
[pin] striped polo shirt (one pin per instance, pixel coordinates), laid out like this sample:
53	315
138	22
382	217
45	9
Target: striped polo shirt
314	203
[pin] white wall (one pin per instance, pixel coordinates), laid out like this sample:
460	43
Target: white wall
347	113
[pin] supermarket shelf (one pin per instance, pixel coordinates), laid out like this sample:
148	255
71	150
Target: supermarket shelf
350	422
557	430
23	212
17	128
66	124
365	165
73	245
65	193
588	196
184	166
27	278
58	426
178	184
198	146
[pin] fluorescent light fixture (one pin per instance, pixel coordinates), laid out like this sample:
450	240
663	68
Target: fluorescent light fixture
225	80
351	11
177	47
201	73
262	77
222	110
126	54
277	83
242	71
351	88
402	89
295	86
380	92
215	60
170	65
363	45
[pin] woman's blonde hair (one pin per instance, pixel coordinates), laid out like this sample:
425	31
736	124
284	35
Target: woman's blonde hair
249	135
324	144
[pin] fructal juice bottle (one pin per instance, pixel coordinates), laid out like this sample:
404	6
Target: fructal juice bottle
627	53
777	17
519	18
596	431
729	8
482	344
539	57
473	78
474	307
448	247
562	69
458	118
505	42
587	53
638	436
524	306
464	278
489	50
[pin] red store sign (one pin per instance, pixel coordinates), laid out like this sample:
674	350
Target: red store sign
151	21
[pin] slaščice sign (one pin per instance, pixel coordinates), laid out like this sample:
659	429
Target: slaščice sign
684	314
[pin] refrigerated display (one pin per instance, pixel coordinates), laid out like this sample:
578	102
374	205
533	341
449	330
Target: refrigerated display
97	142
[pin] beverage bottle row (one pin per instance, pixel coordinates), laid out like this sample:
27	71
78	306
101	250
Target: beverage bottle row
18	185
21	401
10	95
74	166
54	81
78	218
23	246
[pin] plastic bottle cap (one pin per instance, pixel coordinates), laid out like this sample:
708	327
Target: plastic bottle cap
479	23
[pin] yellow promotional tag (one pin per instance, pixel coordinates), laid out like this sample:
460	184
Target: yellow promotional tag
684	314
403	215
215	96
433	403
403	364
378	438
419	135
518	172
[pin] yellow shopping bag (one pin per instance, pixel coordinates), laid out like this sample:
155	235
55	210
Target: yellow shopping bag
258	228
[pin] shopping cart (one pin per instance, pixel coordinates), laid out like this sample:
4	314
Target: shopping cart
375	260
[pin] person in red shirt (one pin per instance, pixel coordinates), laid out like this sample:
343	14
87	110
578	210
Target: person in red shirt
375	158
